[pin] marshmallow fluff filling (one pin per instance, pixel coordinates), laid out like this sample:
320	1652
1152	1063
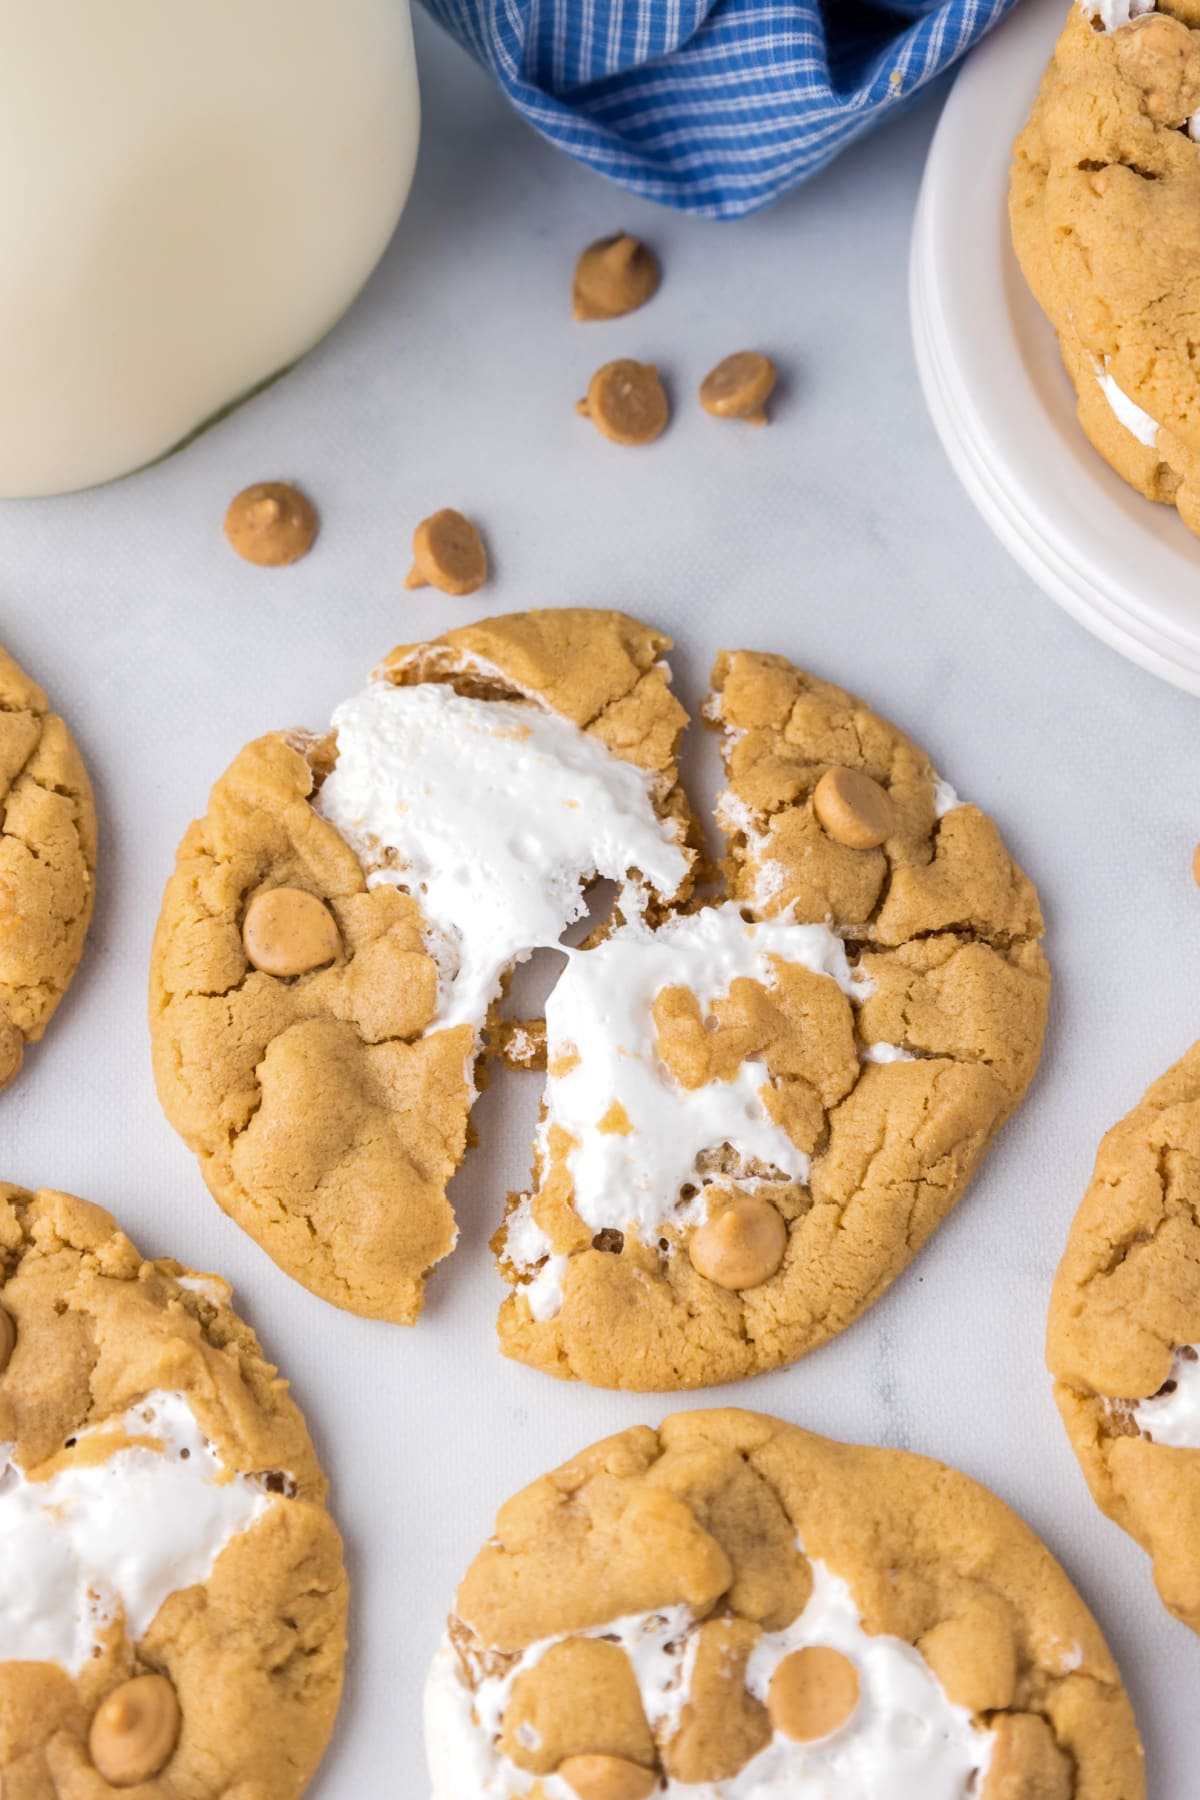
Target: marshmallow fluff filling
638	1137
1172	1416
98	1541
904	1738
493	814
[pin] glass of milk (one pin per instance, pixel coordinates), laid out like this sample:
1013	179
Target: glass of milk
192	192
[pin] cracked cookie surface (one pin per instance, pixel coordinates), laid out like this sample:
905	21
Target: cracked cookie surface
1105	211
757	1107
329	1111
162	1514
1124	1325
890	1074
47	863
652	1608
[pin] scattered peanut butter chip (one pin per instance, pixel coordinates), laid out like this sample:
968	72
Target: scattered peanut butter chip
614	276
135	1730
271	524
288	931
741	1244
607	1778
739	387
1195	878
625	400
812	1694
853	809
8	1338
448	553
12	1051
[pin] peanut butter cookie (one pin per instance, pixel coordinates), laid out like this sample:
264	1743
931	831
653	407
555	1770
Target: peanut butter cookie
1124	1332
731	1605
47	863
757	1112
340	926
172	1596
1105	211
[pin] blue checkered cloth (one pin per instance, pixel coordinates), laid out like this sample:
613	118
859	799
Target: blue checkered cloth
715	106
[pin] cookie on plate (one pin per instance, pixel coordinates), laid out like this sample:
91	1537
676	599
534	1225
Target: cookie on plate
1105	211
340	926
1124	1331
734	1605
172	1597
47	863
758	1110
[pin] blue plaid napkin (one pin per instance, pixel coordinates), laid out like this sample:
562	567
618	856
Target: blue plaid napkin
715	106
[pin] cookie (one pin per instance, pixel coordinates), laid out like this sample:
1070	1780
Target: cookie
1104	205
323	1071
1124	1332
756	1113
172	1596
732	1605
47	863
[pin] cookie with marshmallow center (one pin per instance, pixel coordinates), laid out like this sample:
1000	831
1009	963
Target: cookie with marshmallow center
757	1111
730	1605
172	1595
1123	1339
1104	200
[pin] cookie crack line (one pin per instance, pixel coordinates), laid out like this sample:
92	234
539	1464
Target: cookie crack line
325	1079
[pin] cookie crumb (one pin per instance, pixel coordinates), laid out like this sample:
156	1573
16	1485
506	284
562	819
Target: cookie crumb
739	387
614	276
271	524
1195	872
449	554
626	402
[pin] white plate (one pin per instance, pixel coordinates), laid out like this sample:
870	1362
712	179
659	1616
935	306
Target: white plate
1000	399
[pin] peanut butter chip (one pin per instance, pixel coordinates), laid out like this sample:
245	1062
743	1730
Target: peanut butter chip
614	276
271	524
12	1051
739	387
135	1730
607	1778
626	401
288	931
853	810
8	1338
741	1245
448	553
812	1694
1195	874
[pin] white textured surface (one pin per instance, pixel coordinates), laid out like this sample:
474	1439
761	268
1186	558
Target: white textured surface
838	535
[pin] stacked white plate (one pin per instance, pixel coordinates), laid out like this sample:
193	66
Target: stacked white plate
1000	399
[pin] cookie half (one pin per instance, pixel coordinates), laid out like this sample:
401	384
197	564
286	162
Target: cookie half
47	863
757	1111
1105	210
172	1596
1124	1332
340	927
732	1605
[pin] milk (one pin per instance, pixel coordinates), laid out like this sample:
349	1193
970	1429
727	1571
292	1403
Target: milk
192	192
